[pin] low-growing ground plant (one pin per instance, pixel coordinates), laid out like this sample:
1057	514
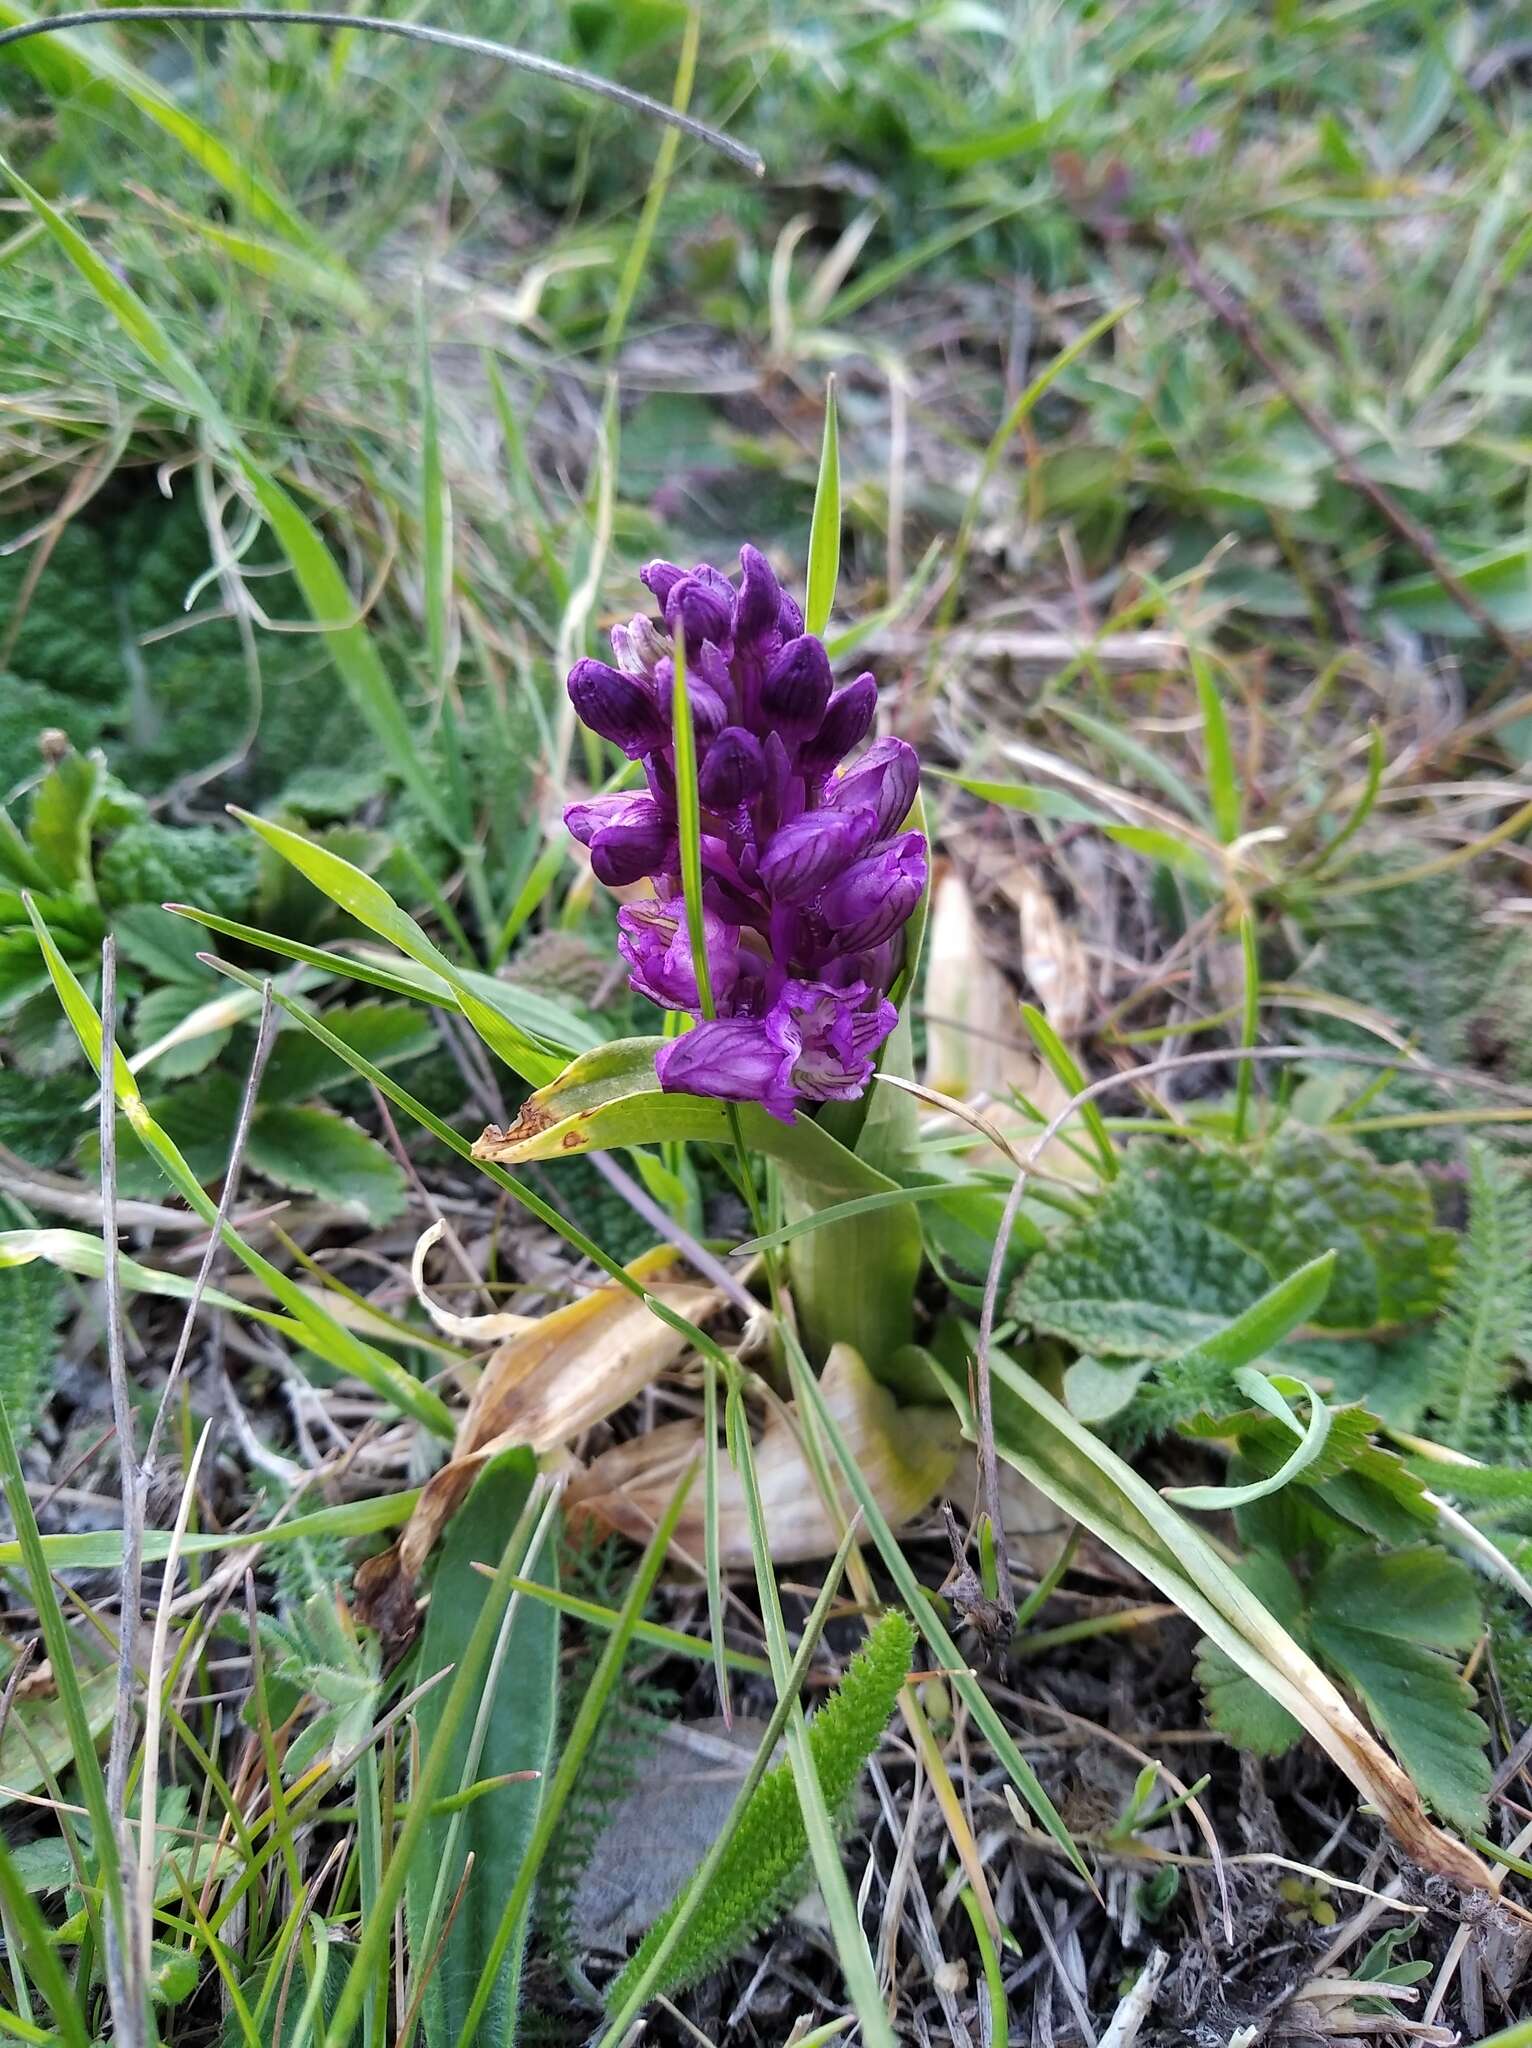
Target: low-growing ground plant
915	1180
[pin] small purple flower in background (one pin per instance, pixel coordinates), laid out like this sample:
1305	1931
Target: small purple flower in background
807	880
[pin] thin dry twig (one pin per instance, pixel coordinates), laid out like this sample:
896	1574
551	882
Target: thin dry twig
127	1935
1230	308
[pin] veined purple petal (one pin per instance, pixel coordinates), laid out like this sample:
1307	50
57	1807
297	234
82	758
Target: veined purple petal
797	688
886	777
732	1057
652	937
874	897
804	855
732	769
618	707
846	723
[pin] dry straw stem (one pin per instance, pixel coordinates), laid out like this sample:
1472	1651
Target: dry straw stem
415	32
548	1380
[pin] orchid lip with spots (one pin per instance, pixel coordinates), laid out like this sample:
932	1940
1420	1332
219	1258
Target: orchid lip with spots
808	882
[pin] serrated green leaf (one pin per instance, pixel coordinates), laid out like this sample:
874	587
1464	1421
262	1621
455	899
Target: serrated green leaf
62	810
162	945
1236	1705
320	1153
30	1301
162	1012
1185	1241
1489	1306
1384	1622
384	1033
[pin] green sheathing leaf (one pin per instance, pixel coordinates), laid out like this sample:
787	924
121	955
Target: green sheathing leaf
1188	1239
1384	1624
514	1724
1489	1308
767	1865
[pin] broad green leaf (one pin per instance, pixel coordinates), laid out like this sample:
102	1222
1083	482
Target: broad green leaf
1236	1705
824	528
370	904
1501	580
515	1726
62	812
384	1033
320	1153
162	945
37	1743
1188	1240
1386	1624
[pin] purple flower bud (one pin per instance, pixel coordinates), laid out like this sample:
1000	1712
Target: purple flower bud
652	937
732	1057
618	707
760	597
804	855
628	836
789	617
702	606
660	578
732	769
869	902
847	720
797	688
886	777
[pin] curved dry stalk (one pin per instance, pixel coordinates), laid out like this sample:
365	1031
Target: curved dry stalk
415	32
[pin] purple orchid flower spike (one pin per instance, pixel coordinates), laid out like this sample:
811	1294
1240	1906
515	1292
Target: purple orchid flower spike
808	881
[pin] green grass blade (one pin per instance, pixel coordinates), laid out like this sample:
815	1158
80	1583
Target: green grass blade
324	588
654	198
1250	1022
1065	1070
825	527
32	1937
377	1933
586	1722
334	1343
74	72
807	1392
1223	782
850	1941
370	904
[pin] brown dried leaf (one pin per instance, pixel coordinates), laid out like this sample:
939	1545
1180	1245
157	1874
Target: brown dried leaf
906	1454
541	1387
